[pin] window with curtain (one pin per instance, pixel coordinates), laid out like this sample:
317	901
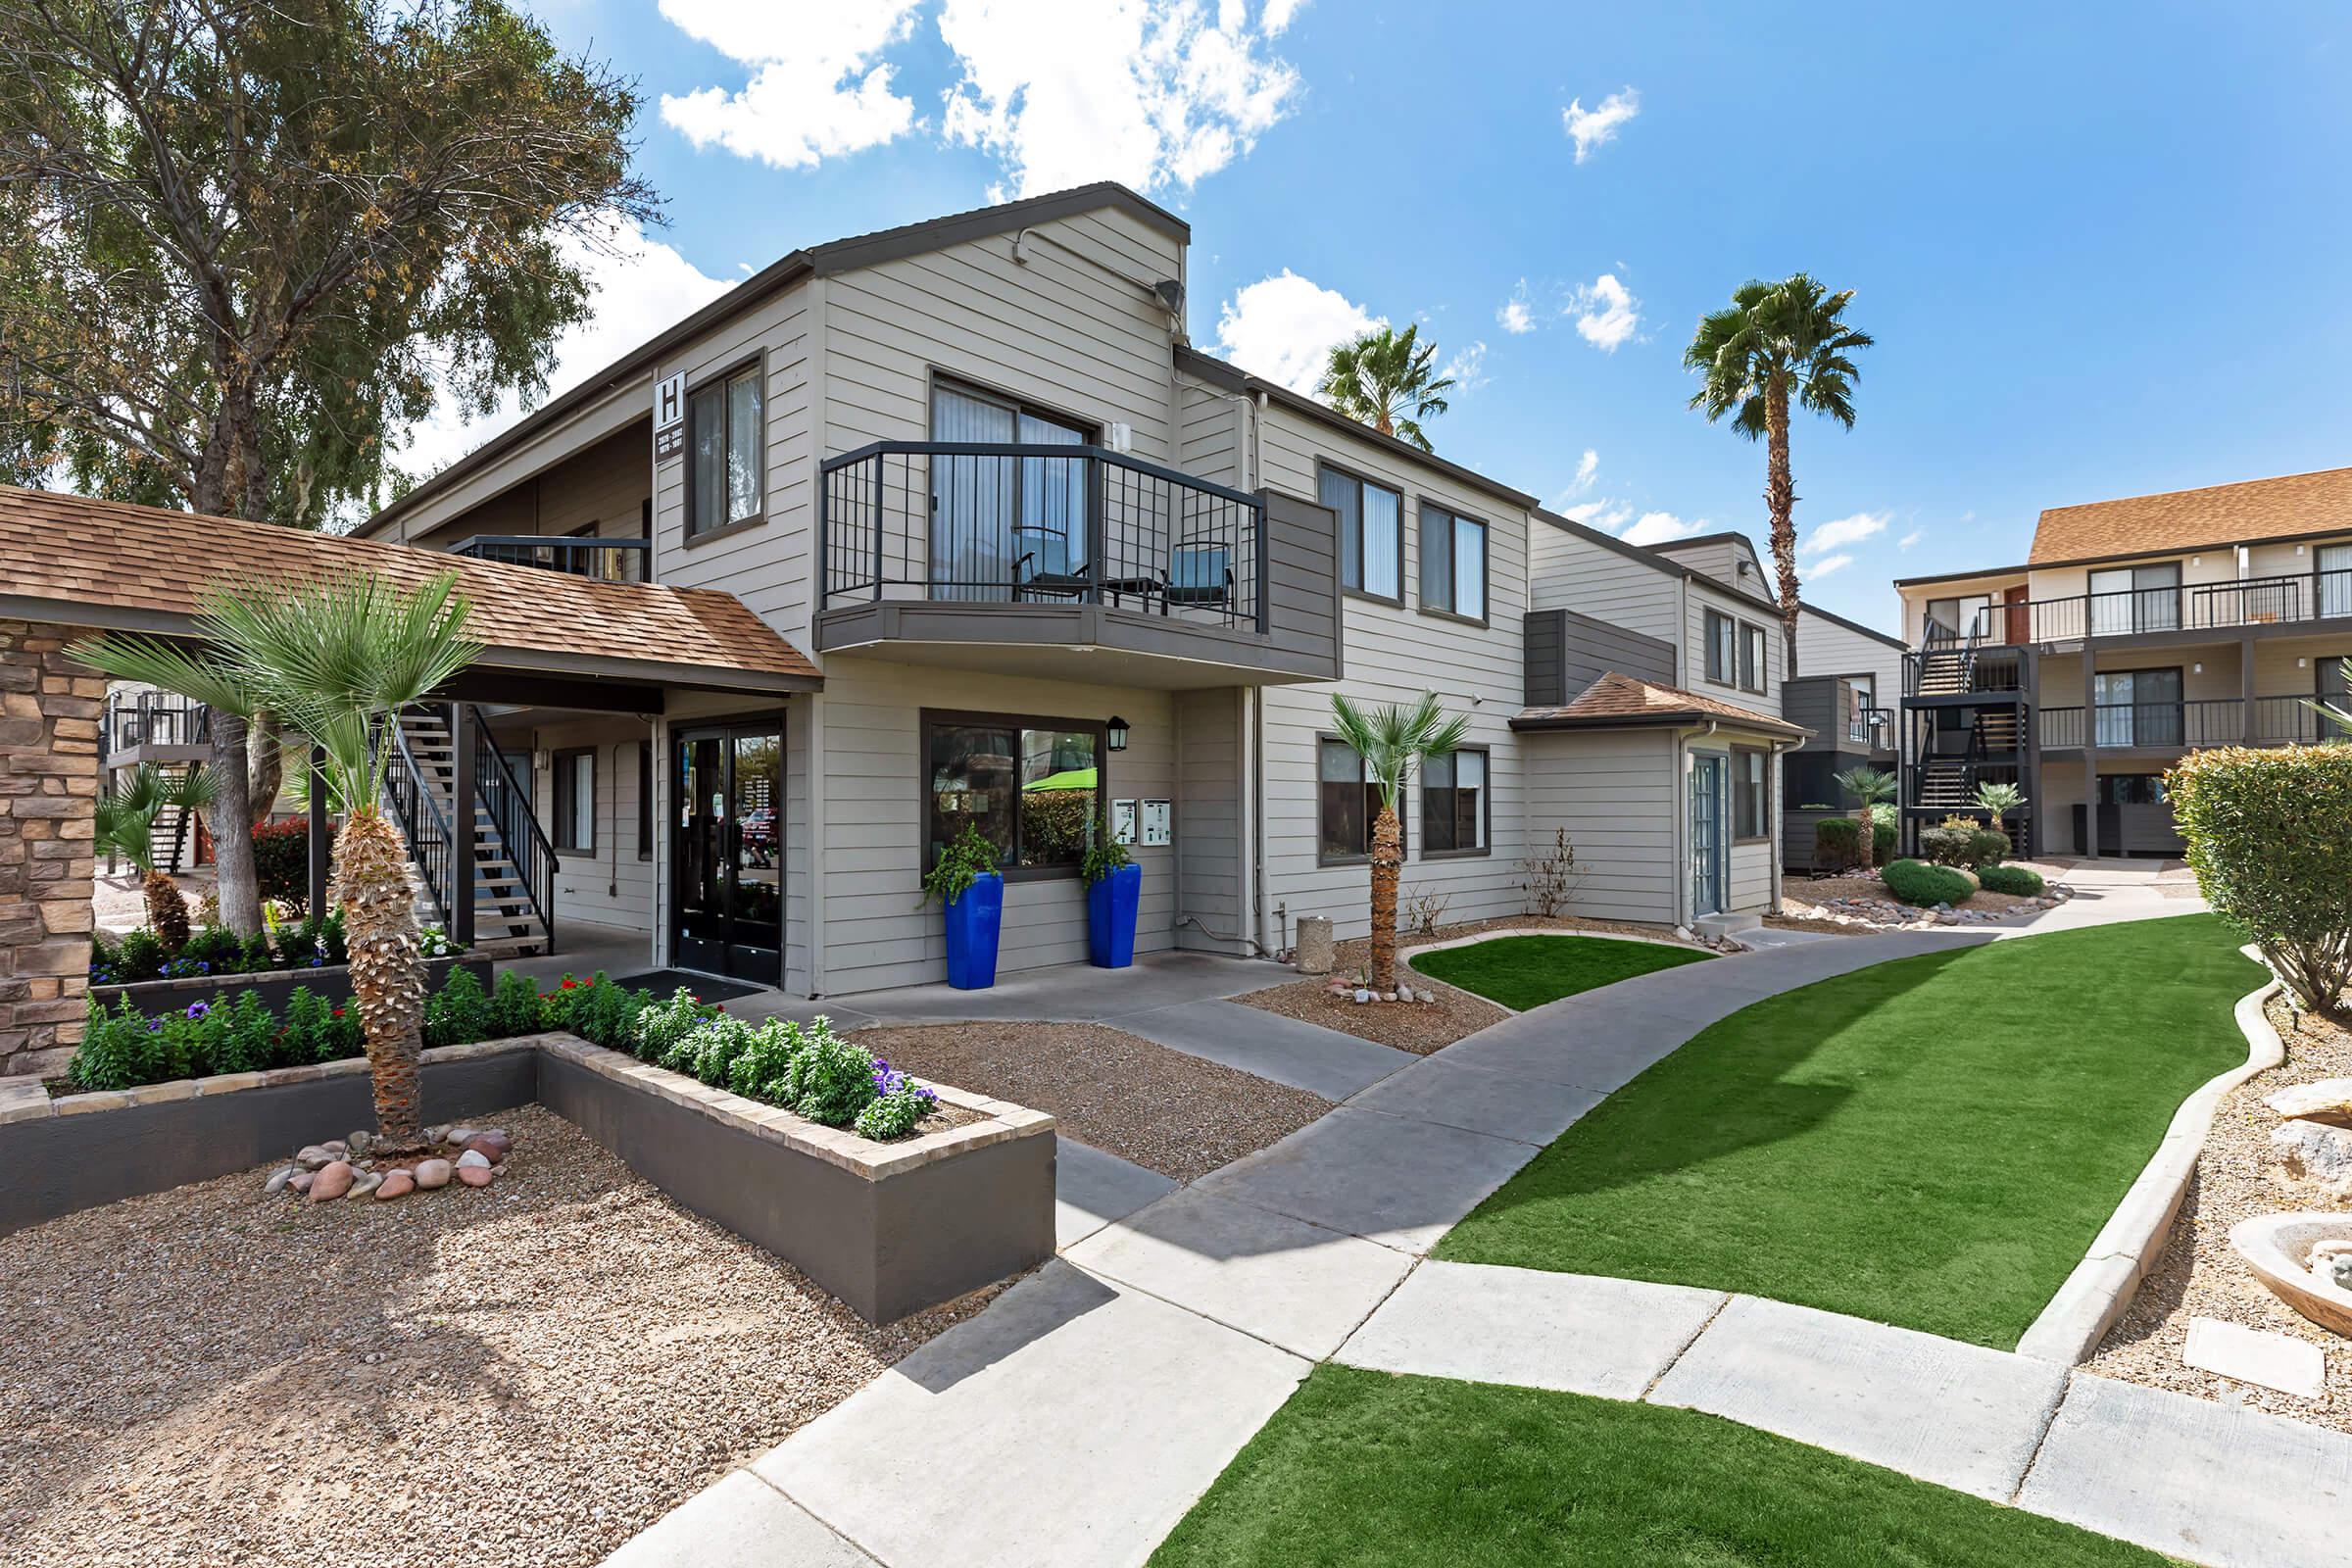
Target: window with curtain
1006	527
1347	802
1721	649
575	800
1031	786
1453	803
645	800
726	476
1453	562
1371	533
1752	658
1751	794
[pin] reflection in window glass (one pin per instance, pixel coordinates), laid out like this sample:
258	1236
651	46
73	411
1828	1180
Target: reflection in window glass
1453	797
1030	791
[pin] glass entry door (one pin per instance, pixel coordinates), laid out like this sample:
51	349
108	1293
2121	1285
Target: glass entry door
1706	835
727	882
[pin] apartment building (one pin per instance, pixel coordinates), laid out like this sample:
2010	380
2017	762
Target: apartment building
2136	631
1053	564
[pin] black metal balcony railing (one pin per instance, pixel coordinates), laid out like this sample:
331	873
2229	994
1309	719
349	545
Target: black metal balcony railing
2196	606
1873	727
153	718
2189	724
980	522
606	560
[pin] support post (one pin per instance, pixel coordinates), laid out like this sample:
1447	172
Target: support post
2090	748
2249	732
321	847
462	866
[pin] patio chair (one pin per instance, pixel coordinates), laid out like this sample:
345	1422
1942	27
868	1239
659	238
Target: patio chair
1200	576
1042	564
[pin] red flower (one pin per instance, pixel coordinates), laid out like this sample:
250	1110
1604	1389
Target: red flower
338	1013
569	986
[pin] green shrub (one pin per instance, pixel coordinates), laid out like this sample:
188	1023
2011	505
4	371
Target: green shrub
1883	834
832	1079
309	1021
1947	845
715	1046
139	955
895	1114
216	947
1917	882
2270	836
2011	880
118	1048
281	863
459	1013
248	1039
763	1067
1836	843
1987	846
513	1006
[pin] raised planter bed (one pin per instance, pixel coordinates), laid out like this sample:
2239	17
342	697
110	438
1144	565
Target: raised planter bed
273	985
888	1227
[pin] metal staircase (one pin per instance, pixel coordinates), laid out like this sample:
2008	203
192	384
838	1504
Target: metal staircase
501	861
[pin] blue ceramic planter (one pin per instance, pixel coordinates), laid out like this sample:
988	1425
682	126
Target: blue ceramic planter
975	919
1111	904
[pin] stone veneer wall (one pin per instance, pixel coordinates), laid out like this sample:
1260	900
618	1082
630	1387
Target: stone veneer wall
49	713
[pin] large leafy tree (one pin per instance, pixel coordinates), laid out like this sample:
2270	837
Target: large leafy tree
1778	344
243	243
1388	380
1393	741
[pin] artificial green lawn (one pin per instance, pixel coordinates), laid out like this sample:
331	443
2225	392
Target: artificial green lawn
1366	1468
1523	973
1932	1142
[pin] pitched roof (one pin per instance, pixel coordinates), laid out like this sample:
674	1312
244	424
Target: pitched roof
102	564
2291	507
1615	702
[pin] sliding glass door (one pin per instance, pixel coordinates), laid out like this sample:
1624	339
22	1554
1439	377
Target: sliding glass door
2139	708
2128	599
1006	527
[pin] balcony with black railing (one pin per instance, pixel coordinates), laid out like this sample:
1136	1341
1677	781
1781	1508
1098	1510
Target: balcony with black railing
2187	725
981	548
2251	603
605	560
153	726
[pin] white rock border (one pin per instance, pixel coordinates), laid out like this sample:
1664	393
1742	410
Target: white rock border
2095	1295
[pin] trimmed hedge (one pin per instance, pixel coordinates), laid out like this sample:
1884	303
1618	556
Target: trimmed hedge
1918	882
2270	836
2015	880
1963	844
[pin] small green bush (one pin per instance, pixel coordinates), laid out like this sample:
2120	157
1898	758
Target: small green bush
760	1073
118	1048
1987	846
1917	882
1836	843
514	1007
716	1044
2015	880
2270	837
1883	834
663	1025
832	1079
459	1013
895	1114
248	1036
1945	845
307	1024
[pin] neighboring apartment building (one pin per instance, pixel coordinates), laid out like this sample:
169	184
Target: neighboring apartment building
2136	631
1050	561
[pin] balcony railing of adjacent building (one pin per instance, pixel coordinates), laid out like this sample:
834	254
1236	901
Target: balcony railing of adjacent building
606	560
153	718
980	522
2189	724
1873	727
2193	607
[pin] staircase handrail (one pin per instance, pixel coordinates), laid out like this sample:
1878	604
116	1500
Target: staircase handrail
537	863
410	816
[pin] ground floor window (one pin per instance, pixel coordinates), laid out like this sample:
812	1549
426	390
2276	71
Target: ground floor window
1347	804
2131	789
645	800
1031	786
1751	794
575	800
1453	803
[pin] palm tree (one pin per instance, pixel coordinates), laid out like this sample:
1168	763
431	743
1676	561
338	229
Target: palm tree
1872	787
126	827
1393	741
337	661
1997	800
1778	341
2335	718
1387	379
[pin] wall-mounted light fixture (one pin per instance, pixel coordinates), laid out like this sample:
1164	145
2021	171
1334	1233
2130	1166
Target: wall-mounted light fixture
1115	733
2196	669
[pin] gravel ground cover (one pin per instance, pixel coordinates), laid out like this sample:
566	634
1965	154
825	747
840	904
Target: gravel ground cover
1420	1027
528	1373
1175	1114
2199	1276
1805	898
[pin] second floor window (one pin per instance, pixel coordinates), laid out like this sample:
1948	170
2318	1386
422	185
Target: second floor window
1723	652
1371	533
1453	562
1752	658
726	474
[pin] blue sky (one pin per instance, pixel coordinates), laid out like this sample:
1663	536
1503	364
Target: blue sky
2104	249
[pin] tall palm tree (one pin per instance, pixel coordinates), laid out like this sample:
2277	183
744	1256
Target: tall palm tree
337	661
1778	341
1393	741
125	826
1387	379
1873	787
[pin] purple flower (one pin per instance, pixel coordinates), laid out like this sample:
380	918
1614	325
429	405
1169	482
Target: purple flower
155	1026
197	1010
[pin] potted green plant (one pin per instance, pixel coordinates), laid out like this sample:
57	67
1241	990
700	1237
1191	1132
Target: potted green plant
1115	886
970	891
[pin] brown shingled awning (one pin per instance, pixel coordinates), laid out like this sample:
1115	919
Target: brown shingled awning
100	563
1618	701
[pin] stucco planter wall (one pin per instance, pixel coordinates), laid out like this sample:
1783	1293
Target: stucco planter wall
154	997
889	1228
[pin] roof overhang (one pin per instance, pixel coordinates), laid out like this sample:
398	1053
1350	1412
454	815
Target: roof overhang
1688	718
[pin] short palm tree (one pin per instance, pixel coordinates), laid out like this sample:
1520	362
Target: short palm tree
1997	800
337	661
1872	787
1393	741
1387	379
1778	342
126	827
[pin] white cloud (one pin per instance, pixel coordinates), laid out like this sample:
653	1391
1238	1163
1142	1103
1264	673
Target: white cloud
1283	328
1606	313
636	287
1911	538
1518	313
1845	531
1278	16
1606	516
1585	468
819	86
1468	369
1146	93
1825	565
1591	128
1658	527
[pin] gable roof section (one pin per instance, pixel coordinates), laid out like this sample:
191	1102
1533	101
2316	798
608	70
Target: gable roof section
2292	507
815	260
1621	701
1854	626
1610	542
101	564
